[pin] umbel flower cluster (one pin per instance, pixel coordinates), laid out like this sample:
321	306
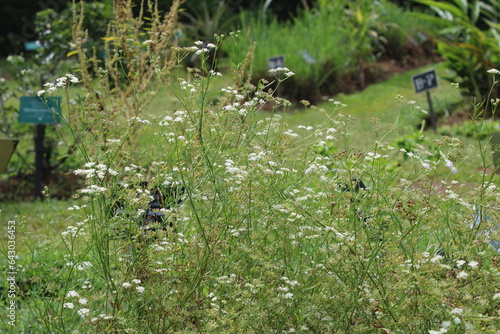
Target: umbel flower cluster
60	83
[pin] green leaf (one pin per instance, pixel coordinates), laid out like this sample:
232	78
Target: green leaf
463	4
475	12
446	7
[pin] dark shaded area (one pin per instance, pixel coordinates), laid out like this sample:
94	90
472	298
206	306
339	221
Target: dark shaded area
21	187
16	25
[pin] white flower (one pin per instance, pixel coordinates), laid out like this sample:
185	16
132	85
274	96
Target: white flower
460	263
140	120
288	295
83	312
72	293
452	195
473	264
68	305
72	78
200	51
496	296
126	285
462	275
140	289
457	311
92	189
493	71
82	301
84	265
40	92
136	281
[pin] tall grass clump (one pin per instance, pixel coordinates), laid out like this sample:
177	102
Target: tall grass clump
309	44
204	217
330	47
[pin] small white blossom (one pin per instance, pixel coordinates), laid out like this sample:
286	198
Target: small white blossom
72	78
92	189
140	120
83	312
452	195
451	166
140	289
69	305
72	293
473	264
493	71
84	265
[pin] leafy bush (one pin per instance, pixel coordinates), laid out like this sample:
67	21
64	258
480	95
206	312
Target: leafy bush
470	42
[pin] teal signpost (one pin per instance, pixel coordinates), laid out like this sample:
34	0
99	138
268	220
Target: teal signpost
35	110
39	111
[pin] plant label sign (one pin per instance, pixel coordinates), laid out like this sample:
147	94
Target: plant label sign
276	62
425	81
35	110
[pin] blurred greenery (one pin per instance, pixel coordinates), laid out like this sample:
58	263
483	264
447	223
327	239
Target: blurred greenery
469	41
